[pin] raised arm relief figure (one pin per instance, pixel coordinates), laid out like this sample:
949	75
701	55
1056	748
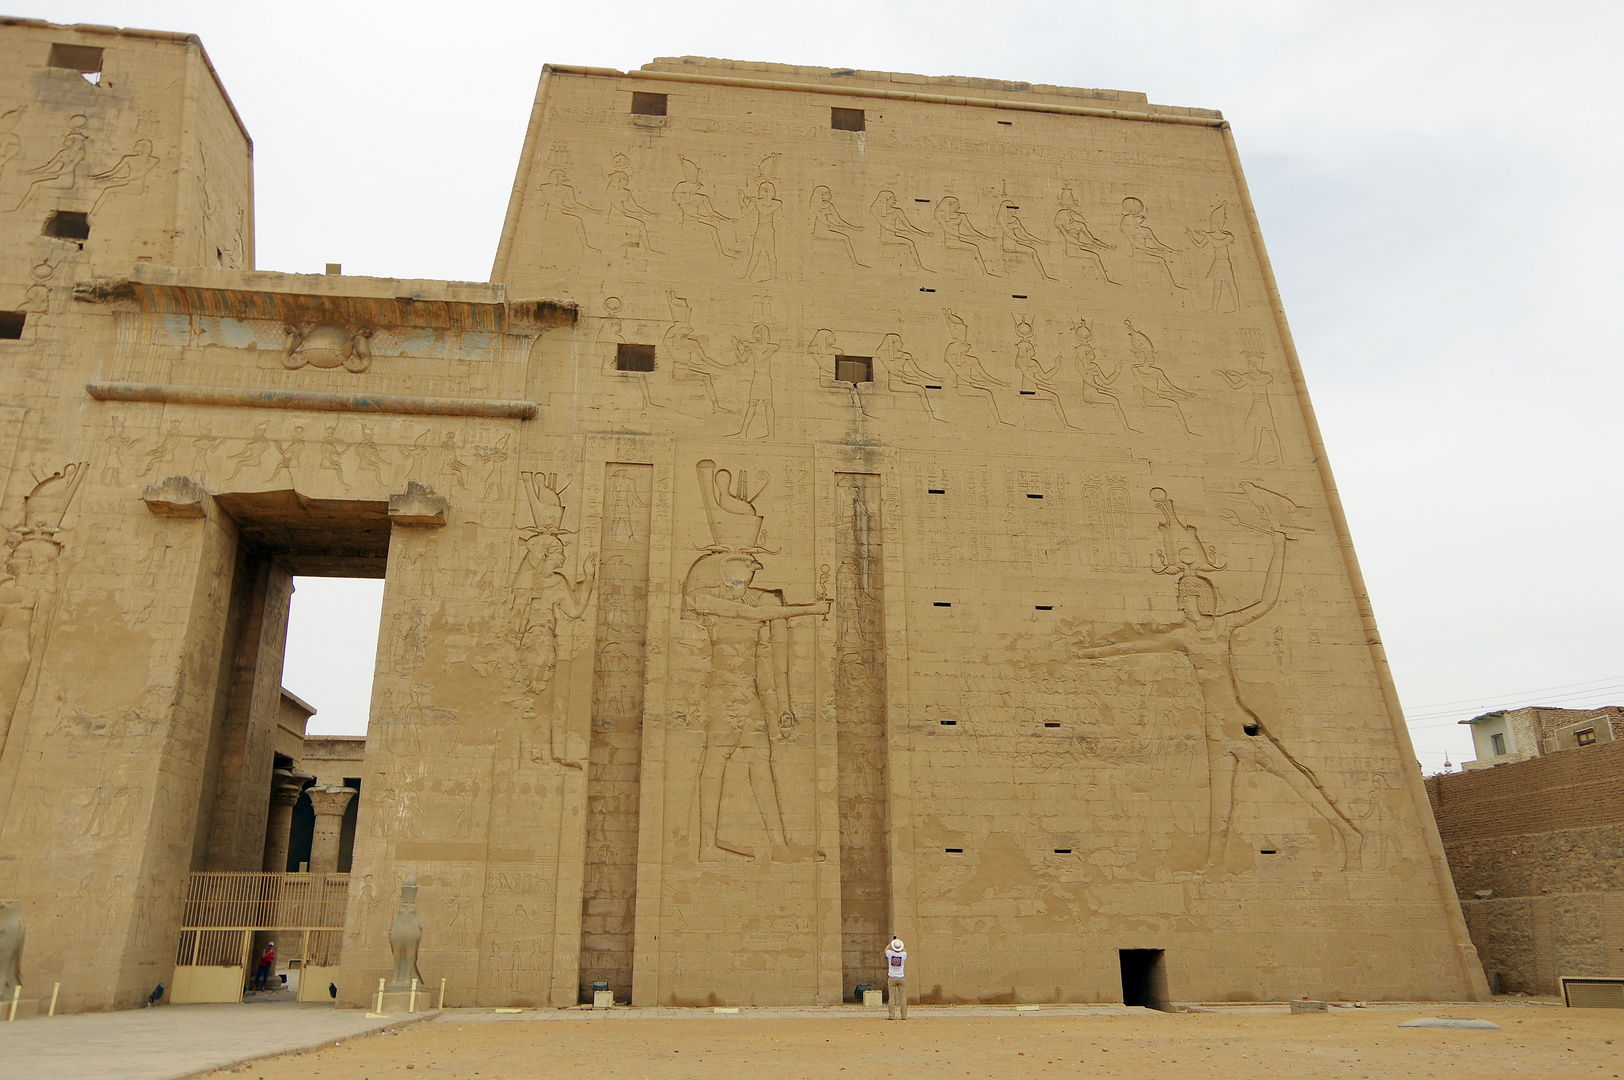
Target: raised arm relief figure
1235	734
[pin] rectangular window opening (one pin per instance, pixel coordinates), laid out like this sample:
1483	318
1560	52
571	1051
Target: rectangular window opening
1051	723
634	357
1497	742
1585	737
1062	851
937	491
941	603
1006	123
1268	851
846	119
948	723
854	369
1029	393
927	290
1144	978
85	59
68	225
1029	495
932	386
11	324
954	850
647	104
1044	607
925	201
1017	296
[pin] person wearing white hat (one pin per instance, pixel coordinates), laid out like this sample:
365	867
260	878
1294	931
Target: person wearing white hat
896	987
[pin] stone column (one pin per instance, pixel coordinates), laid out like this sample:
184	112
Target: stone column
329	802
286	786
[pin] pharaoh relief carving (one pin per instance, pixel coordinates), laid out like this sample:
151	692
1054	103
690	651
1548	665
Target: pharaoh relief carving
327	346
746	647
61	174
1264	440
1236	735
547	611
30	584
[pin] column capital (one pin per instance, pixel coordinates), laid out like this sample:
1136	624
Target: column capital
331	800
287	786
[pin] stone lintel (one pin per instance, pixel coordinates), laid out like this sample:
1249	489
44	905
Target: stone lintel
314	299
418	506
177	496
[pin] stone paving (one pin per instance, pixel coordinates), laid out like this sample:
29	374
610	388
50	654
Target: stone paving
172	1041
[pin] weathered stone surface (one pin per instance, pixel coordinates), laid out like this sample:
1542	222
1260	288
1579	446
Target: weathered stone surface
914	530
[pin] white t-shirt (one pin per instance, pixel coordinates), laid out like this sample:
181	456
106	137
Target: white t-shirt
894	961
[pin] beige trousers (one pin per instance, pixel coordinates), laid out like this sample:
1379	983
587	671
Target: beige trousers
896	993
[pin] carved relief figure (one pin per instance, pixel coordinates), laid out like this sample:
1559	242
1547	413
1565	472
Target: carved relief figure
1098	387
405	935
1142	241
11	947
331	457
1014	239
968	374
896	228
1153	381
112	470
1035	378
765	204
61	173
252	453
695	205
547	605
1260	414
959	232
689	360
827	224
1220	275
128	176
366	452
556	195
748	711
758	351
10	143
1235	734
904	374
1080	241
623	208
29	584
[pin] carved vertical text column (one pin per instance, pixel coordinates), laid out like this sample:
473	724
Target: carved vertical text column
329	803
286	787
865	912
609	890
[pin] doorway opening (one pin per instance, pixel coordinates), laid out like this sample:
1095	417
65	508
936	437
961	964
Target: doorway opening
1144	978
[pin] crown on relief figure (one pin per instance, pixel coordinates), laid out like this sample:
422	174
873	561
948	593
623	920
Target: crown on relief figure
730	509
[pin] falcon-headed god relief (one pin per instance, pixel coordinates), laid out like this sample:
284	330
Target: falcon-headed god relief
1235	734
747	706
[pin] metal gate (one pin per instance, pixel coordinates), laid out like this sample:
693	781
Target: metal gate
224	910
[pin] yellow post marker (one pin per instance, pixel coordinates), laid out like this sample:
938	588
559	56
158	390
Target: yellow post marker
441	1003
411	1002
377	1005
16	996
54	988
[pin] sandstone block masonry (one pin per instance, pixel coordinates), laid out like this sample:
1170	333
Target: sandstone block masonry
1537	852
860	505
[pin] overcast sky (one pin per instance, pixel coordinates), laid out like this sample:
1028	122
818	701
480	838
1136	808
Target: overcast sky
1439	188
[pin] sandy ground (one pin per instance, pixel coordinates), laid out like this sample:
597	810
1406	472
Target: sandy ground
1536	1040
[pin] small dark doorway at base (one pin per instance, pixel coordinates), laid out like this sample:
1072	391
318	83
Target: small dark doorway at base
1144	978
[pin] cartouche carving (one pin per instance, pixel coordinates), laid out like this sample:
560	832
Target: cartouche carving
1235	734
747	709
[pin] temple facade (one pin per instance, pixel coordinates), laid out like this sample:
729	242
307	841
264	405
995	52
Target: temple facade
859	504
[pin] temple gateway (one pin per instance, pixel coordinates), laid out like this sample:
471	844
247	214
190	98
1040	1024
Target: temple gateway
859	504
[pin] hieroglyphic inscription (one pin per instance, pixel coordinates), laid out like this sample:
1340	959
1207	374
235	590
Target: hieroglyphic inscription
865	911
610	887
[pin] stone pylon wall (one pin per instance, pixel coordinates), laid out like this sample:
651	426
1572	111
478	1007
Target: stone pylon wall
911	530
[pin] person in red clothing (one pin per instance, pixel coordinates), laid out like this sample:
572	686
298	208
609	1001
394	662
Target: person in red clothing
267	965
